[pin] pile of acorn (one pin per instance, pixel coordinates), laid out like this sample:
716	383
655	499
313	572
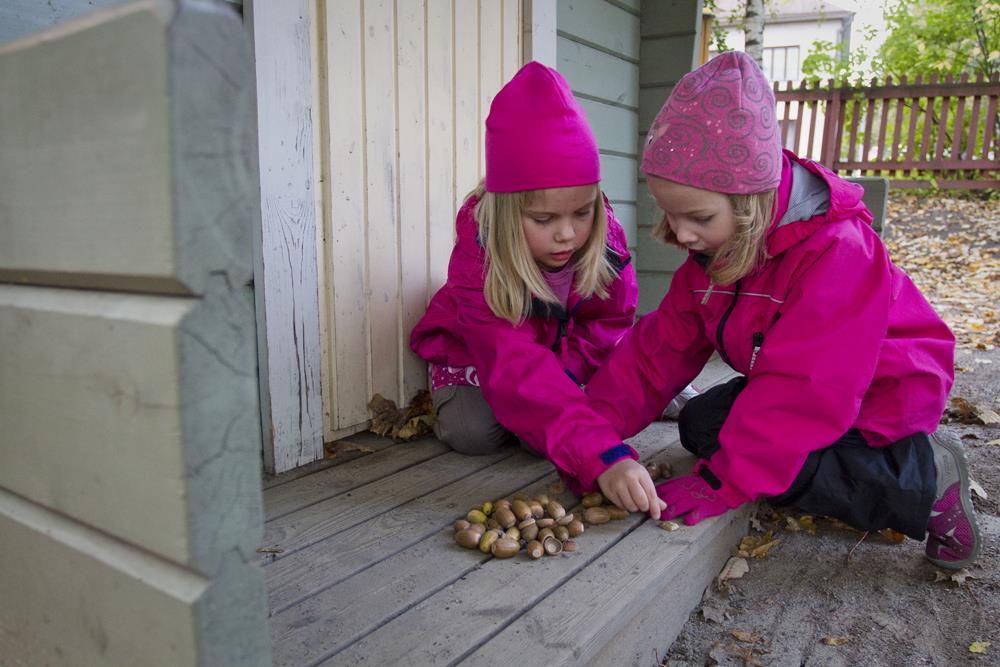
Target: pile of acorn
539	525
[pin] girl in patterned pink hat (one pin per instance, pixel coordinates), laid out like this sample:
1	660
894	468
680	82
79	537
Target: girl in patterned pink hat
845	366
540	287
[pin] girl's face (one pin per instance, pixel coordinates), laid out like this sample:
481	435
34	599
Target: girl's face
701	220
557	223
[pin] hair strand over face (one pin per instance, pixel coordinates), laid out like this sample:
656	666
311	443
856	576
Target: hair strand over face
512	275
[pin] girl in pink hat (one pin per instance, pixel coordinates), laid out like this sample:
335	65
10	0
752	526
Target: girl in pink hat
846	367
540	287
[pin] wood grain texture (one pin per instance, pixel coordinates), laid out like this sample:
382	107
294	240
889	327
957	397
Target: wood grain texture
601	23
146	398
285	268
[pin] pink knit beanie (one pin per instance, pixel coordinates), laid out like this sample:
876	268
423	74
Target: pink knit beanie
717	130
537	136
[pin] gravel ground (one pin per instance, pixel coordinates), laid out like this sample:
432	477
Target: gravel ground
822	595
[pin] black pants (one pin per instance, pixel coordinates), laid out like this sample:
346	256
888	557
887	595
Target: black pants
869	488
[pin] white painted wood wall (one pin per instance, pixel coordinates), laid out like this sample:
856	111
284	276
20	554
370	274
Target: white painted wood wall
404	90
130	496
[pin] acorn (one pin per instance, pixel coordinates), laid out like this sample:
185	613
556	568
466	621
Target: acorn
666	470
575	528
669	526
476	516
535	550
530	532
501	503
512	534
467	538
567	519
654	470
556	510
544	533
546	522
493	524
569	545
505	517
505	547
596	515
542	499
592	500
488	508
617	513
461	524
487	540
537	510
521	509
478	529
552	546
522	496
561	533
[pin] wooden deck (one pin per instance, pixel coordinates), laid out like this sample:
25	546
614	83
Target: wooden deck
362	567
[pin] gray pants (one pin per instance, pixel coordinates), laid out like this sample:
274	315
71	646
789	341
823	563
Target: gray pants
465	422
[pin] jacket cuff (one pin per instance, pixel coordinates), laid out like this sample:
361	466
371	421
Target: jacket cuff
727	493
592	468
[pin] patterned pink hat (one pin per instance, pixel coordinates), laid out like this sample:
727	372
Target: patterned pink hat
537	136
717	130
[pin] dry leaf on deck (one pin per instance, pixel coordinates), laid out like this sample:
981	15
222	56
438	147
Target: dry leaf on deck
892	535
744	636
978	647
977	489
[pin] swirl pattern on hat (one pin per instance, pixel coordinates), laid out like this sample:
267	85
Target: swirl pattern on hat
717	130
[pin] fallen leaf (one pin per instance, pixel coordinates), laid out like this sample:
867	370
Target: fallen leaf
734	568
713	614
892	535
764	550
957	577
977	489
978	647
744	636
994	442
835	640
669	526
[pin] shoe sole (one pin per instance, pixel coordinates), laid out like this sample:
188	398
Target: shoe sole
951	444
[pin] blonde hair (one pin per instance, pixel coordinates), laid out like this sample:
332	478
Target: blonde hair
512	275
745	251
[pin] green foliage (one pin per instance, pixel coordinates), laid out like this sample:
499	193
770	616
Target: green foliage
942	37
924	37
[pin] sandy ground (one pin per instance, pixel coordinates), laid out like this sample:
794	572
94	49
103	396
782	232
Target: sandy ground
828	597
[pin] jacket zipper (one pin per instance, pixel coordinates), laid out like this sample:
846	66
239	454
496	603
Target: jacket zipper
722	324
563	324
758	340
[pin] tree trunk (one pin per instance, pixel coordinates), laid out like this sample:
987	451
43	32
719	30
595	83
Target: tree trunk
753	29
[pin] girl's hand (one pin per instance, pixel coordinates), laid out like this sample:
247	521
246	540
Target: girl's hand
627	484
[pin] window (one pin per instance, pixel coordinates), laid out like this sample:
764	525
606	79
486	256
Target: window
781	63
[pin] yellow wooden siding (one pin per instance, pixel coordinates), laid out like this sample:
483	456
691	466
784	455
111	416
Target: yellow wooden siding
402	106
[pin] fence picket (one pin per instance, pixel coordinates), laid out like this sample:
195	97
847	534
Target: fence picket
923	151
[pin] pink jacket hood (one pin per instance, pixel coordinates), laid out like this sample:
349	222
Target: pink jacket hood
830	333
530	374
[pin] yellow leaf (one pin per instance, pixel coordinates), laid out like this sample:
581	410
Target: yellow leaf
835	640
744	636
978	647
892	535
763	550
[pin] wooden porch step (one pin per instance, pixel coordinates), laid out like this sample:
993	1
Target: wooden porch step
374	576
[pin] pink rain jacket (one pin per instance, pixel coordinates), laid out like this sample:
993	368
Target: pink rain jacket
529	374
830	333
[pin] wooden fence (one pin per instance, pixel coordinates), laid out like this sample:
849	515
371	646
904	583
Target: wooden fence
942	133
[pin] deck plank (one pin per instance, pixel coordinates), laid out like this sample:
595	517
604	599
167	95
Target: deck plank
287	498
381	587
326	563
461	617
330	621
317	522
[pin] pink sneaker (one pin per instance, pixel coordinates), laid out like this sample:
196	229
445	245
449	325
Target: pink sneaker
952	533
